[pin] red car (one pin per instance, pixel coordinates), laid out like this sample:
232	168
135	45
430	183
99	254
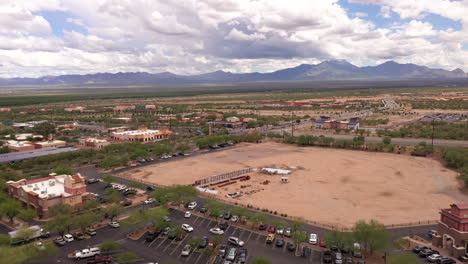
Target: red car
211	244
322	243
262	227
272	229
99	260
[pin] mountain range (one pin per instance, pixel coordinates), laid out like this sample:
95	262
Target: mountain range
324	71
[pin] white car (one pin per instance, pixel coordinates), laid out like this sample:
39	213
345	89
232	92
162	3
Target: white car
235	241
87	253
234	218
279	231
187	214
186	250
313	239
114	224
150	201
68	238
216	231
187	227
434	257
192	205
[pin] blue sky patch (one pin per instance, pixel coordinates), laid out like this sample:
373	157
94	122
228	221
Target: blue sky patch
58	22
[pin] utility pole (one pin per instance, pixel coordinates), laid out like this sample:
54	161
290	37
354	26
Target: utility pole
292	125
432	138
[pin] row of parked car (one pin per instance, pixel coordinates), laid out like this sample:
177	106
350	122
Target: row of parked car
432	255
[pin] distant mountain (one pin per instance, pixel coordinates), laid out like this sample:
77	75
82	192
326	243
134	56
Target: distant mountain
327	70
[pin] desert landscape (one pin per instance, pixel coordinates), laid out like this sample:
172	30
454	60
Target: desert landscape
329	186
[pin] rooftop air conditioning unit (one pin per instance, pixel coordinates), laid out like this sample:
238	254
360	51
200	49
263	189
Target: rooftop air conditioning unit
52	183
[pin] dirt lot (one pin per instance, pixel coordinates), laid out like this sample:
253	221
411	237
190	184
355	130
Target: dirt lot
335	187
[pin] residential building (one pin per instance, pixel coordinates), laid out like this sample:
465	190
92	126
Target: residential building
142	135
453	229
43	193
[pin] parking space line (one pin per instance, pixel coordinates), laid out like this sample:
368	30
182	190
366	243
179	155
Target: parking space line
191	254
170	243
164	240
198	259
241	233
181	242
203	220
250	234
196	219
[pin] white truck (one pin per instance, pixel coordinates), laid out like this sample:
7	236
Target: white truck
26	235
87	253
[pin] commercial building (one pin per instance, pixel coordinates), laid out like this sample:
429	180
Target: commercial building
4	109
76	108
453	229
43	193
141	135
50	144
17	146
326	122
31	154
121	108
150	107
94	142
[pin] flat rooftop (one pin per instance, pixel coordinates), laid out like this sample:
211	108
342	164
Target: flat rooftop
24	155
138	132
47	188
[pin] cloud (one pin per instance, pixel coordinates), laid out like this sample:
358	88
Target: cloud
197	36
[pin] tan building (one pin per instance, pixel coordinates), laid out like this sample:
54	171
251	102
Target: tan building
141	135
4	109
17	146
98	143
150	107
42	193
453	230
121	108
50	144
76	108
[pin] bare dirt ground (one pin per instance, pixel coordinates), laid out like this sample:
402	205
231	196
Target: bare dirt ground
335	187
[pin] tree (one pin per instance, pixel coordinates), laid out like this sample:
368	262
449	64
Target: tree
239	211
5	240
218	239
176	232
215	208
27	214
298	238
297	224
260	260
113	210
64	170
195	241
108	179
403	259
60	209
10	208
182	147
59	224
108	246
342	240
386	140
85	220
127	257
258	218
45	129
111	195
373	236
208	252
135	184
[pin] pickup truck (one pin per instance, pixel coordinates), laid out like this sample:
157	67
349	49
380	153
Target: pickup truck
87	253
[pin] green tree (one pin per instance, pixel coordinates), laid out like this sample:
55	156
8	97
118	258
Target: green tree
85	220
4	240
258	218
215	208
298	238
111	195
108	246
60	209
59	224
112	211
239	211
127	257
64	170
10	208
297	224
403	259
27	214
260	260
195	241
176	232
45	129
109	178
372	236
387	140
343	240
135	184
208	252
182	147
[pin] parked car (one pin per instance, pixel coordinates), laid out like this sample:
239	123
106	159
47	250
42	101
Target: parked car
242	256
68	238
224	225
291	246
186	250
348	260
262	227
279	242
313	239
187	214
152	235
447	261
327	256
227	215
306	252
187	227
150	188
78	236
231	255
204	242
100	260
234	218
216	231
270	238
90	231
130	192
338	258
203	210
59	241
419	248
192	205
235	241
434	258
427	252
150	201
222	251
322	243
114	224
92	180
165	231
272	229
280	230
87	253
287	232
432	233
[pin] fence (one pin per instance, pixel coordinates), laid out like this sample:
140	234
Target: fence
223	177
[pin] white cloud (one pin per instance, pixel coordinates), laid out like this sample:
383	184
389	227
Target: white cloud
196	36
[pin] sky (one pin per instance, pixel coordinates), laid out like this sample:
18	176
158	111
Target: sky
55	37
